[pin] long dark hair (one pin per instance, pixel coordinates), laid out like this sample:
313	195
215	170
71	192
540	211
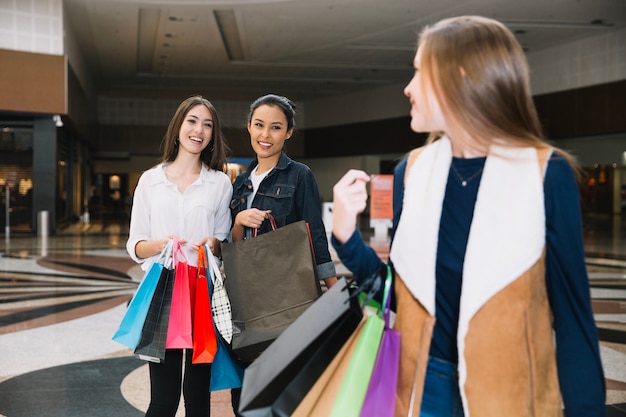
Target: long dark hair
214	155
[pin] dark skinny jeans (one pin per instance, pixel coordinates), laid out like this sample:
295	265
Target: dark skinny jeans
165	386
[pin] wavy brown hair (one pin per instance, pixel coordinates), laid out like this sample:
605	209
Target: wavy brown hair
214	155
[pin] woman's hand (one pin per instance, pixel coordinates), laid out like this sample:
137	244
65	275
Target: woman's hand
147	248
349	200
214	244
252	218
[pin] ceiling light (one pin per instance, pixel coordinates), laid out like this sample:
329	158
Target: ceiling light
379	46
148	25
227	24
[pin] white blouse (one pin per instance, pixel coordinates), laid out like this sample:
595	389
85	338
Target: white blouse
160	210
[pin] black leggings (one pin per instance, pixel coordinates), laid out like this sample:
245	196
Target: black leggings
165	386
235	393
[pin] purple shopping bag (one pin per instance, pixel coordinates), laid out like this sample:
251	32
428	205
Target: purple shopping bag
380	399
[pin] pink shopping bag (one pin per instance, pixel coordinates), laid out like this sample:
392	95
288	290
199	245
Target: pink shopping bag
179	330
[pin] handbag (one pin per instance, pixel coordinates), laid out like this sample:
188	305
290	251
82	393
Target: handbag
204	338
281	376
179	326
271	279
220	303
380	399
226	373
129	330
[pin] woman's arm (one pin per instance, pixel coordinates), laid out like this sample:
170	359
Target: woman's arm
141	244
578	359
308	207
350	200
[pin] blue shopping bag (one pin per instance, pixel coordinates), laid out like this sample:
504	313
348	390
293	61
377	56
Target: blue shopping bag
129	330
226	373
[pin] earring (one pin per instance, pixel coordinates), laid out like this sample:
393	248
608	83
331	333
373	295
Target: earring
176	142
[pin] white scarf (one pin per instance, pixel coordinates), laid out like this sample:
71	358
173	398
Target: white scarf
507	234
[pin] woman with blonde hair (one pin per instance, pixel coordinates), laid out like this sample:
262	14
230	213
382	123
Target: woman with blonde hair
491	289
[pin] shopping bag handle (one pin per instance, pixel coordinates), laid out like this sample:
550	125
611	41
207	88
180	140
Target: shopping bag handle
386	306
166	251
178	250
202	262
272	223
216	275
165	257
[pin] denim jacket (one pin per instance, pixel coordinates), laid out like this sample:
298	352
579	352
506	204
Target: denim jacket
290	192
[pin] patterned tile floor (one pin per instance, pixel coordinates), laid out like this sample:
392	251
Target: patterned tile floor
61	299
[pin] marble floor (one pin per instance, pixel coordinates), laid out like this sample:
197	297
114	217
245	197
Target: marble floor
62	297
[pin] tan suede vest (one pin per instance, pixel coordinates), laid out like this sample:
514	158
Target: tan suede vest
509	349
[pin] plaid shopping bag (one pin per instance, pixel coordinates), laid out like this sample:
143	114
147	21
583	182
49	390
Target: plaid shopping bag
220	303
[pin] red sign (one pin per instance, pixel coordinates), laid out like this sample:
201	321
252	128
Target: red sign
381	197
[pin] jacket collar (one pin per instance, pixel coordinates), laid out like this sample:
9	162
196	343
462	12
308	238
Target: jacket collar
283	162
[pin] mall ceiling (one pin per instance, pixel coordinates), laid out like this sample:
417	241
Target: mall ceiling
238	49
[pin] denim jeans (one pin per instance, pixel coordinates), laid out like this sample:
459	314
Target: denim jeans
441	396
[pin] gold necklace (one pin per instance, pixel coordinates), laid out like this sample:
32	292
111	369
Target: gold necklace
463	180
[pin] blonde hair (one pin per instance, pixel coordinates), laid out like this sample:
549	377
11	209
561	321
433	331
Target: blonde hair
478	73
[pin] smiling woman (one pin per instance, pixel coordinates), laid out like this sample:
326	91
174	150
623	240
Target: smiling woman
276	184
184	197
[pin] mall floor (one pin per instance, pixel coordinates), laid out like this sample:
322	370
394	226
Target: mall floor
62	297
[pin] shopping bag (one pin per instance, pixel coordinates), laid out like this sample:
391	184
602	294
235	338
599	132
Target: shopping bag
179	326
342	387
151	346
220	303
260	272
275	383
380	399
129	330
355	382
192	273
320	398
204	338
226	373
354	385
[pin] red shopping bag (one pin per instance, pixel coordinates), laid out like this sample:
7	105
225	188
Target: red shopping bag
192	271
179	329
204	338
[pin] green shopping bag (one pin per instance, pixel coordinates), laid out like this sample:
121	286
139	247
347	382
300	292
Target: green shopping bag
355	382
354	385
